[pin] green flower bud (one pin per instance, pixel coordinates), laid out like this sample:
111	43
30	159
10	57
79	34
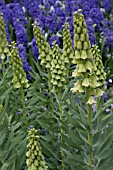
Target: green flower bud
76	37
80	24
82	37
36	163
3	56
33	167
79	45
84	31
28	162
87	37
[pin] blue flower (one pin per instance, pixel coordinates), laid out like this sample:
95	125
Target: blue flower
23	56
34	49
54	38
107	5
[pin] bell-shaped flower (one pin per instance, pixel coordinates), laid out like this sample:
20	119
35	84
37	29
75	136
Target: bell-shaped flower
81	68
77	54
99	92
79	45
91	100
89	66
86	82
83	54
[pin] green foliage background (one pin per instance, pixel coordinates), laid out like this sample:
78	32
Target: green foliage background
74	145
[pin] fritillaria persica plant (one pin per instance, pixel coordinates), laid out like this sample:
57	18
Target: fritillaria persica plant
55	120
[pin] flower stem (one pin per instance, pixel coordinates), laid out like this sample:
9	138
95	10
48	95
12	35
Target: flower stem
3	67
90	137
50	94
23	105
61	118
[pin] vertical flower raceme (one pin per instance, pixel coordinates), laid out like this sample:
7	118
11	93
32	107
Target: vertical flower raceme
43	46
100	68
85	65
35	159
4	50
58	68
67	45
19	76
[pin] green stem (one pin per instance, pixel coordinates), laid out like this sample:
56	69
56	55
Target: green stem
30	56
97	104
3	67
67	70
61	118
23	105
90	137
49	86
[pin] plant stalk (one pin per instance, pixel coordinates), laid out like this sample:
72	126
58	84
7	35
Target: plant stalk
90	137
23	105
61	118
50	94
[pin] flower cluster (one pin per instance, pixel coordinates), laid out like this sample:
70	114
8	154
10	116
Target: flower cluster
43	46
85	69
19	76
4	50
58	68
3	9
35	159
99	72
67	44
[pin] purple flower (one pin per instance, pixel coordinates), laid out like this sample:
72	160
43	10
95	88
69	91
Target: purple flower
112	106
21	34
19	113
54	38
16	13
90	28
107	5
108	110
23	56
34	49
105	96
